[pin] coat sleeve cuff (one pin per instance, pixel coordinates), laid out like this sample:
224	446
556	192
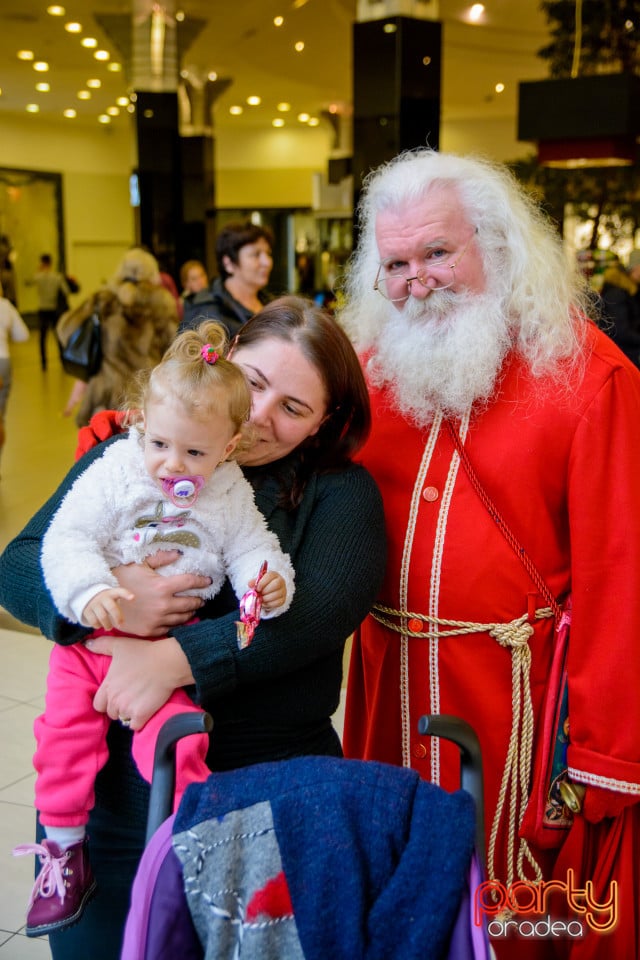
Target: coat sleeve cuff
607	773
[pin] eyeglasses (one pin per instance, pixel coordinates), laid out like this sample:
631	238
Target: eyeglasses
396	285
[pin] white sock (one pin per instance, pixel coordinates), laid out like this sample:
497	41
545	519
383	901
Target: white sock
65	836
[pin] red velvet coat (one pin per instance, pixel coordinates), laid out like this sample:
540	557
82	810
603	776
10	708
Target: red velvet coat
563	468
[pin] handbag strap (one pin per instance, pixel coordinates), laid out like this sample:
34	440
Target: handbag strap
503	526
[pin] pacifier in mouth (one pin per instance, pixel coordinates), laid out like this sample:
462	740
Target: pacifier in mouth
182	491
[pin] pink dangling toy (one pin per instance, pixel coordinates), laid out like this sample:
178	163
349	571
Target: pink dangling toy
250	607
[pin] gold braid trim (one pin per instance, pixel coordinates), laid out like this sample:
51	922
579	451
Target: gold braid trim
513	636
458	627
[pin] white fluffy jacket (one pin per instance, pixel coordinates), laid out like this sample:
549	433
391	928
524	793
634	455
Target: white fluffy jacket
115	513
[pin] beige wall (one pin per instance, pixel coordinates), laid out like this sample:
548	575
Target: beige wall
95	163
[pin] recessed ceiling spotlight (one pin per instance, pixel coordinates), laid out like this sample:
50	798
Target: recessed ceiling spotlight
180	16
113	111
89	42
235	110
32	108
333	108
123	101
277	122
313	121
499	87
284	106
43	87
102	55
299	46
41	66
103	118
476	11
94	83
254	101
303	117
84	95
212	76
73	27
25	54
70	113
114	66
278	21
56	11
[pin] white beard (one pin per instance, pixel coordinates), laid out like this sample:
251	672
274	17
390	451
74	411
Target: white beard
442	353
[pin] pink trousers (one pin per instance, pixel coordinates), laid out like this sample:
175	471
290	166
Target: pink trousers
72	739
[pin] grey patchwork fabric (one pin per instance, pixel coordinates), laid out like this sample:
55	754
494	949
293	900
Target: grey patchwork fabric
236	888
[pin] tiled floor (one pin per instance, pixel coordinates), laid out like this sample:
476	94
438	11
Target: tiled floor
38	452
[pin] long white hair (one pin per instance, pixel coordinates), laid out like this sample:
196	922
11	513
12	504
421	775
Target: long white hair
544	300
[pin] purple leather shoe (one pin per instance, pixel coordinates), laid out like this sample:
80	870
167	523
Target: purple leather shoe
62	889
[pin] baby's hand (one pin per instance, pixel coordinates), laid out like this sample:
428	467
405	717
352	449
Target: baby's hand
272	589
104	611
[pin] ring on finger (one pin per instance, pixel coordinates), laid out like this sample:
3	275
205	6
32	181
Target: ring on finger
125	721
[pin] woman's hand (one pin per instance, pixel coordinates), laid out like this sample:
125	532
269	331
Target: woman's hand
156	609
142	676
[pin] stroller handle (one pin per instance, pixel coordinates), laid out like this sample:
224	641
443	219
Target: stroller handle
471	779
163	784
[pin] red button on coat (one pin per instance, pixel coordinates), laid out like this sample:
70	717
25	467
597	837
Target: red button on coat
430	494
415	625
419	751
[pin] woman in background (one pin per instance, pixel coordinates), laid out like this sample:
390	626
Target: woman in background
138	321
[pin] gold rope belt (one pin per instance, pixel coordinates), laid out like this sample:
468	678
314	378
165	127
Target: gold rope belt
516	776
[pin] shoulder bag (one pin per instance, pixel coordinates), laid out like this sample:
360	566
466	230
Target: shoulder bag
81	355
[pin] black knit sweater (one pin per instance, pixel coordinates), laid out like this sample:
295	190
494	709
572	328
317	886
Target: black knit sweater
274	699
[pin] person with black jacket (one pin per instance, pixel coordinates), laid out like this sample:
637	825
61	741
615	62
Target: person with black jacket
244	257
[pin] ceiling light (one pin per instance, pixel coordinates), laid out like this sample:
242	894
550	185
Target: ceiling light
56	11
89	42
25	54
284	106
278	21
254	101
94	83
180	16
102	54
69	114
299	46
84	95
103	118
73	27
212	77
41	66
313	121
131	108
123	101
278	122
235	110
114	66
389	28
303	117
333	108
113	111
43	87
476	12
499	87
32	108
